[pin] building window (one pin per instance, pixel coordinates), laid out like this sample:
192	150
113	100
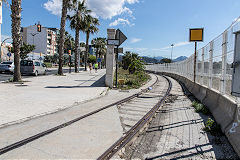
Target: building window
49	41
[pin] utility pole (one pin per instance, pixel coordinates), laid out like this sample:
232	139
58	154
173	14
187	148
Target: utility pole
33	35
172	51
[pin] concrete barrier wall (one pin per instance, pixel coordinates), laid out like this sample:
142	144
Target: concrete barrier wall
225	111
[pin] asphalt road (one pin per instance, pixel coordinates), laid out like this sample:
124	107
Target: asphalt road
7	76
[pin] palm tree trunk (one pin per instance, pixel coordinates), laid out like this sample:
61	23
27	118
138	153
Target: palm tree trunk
76	49
86	53
16	27
62	34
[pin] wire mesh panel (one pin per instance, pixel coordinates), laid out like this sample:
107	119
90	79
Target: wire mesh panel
198	67
206	65
213	63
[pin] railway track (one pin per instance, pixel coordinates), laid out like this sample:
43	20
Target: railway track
133	117
63	125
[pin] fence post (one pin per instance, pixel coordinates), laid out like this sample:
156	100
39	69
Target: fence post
196	69
202	67
210	65
224	63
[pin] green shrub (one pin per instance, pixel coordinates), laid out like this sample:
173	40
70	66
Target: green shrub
48	65
135	80
200	108
194	103
212	127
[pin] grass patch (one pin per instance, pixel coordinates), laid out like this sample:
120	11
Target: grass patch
131	81
200	108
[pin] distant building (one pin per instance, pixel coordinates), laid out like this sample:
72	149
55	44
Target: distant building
45	41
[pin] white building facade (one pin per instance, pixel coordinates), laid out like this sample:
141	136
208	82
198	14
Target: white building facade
45	41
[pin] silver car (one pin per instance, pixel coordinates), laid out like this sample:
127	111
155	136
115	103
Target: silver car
32	67
7	66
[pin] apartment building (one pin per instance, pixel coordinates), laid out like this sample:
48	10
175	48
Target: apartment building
45	41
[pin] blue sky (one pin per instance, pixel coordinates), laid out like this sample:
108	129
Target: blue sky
150	25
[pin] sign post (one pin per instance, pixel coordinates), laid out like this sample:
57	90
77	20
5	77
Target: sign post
9	54
121	38
70	61
195	35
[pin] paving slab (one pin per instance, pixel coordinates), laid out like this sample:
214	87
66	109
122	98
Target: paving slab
47	94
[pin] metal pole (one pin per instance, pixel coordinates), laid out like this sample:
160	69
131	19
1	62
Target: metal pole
70	63
116	67
195	60
172	52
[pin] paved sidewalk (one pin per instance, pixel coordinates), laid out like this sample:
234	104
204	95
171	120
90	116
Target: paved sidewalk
176	133
85	139
47	94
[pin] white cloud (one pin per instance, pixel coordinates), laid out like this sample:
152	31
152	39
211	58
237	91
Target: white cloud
121	21
175	45
105	9
140	51
135	40
132	1
54	6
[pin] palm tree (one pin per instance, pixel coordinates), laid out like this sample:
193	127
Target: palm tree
79	11
89	26
16	27
100	45
68	42
65	5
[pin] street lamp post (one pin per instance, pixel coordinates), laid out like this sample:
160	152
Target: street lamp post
172	45
33	35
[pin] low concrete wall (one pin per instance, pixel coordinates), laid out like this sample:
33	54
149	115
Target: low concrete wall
225	111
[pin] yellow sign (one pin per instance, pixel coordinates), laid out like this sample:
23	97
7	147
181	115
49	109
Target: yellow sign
196	35
121	81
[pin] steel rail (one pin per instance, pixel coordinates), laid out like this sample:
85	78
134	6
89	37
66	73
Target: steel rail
118	145
51	130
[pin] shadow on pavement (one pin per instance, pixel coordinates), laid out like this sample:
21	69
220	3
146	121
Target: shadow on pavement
98	83
198	148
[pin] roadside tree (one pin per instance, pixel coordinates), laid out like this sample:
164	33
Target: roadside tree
25	49
16	28
89	27
79	10
65	5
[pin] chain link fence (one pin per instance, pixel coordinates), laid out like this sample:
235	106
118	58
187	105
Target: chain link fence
213	63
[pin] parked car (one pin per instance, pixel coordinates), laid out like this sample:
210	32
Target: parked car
7	66
32	67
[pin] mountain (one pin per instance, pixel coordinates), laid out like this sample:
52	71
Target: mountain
149	59
159	58
178	59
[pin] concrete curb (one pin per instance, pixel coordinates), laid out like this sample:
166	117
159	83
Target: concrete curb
224	109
